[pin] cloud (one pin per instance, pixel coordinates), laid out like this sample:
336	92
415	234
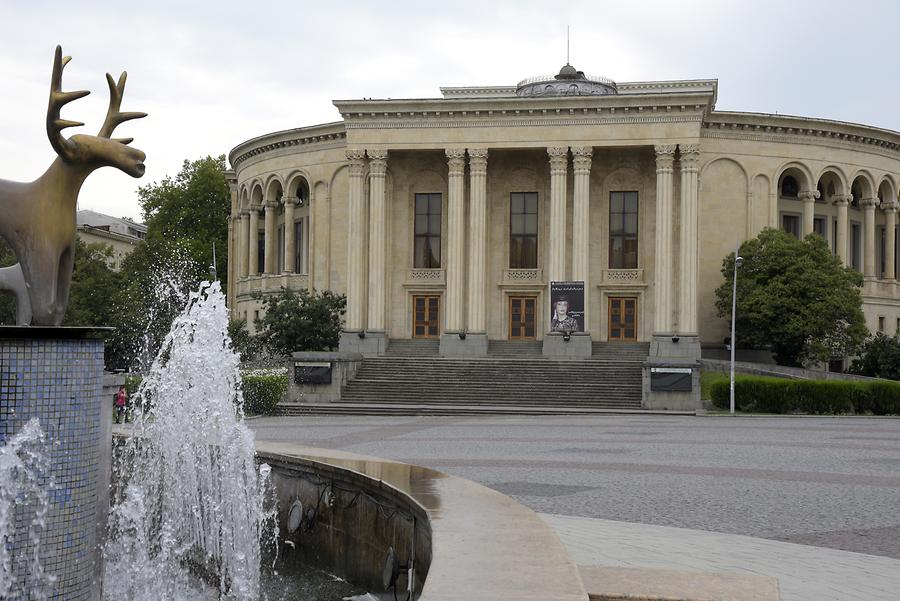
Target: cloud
214	74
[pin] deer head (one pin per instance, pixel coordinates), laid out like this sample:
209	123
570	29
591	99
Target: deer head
38	218
92	151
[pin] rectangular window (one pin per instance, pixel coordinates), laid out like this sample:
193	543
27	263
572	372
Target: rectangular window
881	323
261	252
791	224
280	267
427	243
882	254
856	246
820	226
834	238
523	230
298	247
623	230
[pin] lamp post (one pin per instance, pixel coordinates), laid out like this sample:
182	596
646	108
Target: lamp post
738	261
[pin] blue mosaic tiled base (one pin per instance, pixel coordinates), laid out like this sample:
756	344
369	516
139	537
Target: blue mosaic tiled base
59	382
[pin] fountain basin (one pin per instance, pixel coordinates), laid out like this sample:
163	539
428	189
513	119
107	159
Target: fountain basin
471	542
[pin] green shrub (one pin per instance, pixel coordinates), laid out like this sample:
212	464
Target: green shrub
132	383
823	397
263	389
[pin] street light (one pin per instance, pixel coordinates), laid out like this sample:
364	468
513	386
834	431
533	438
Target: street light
738	261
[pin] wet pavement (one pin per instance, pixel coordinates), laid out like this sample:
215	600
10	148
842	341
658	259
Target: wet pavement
828	482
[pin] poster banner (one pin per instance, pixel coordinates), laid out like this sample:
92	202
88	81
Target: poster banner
567	306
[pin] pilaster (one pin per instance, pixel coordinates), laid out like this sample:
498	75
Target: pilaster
243	254
377	241
289	243
456	166
809	208
253	255
271	257
559	167
868	205
842	202
356	218
890	223
690	256
477	239
662	279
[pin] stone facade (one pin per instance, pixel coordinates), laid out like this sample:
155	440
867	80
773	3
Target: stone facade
705	180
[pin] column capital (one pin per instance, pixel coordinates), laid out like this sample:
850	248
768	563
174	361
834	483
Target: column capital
689	156
841	200
478	161
256	208
869	203
290	200
245	213
559	159
890	206
665	156
377	162
357	159
581	159
270	205
456	160
808	195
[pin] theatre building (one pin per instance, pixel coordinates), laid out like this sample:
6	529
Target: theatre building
451	218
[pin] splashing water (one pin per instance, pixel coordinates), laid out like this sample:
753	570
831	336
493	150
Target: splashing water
24	485
191	500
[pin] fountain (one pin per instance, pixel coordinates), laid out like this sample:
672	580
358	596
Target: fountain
192	499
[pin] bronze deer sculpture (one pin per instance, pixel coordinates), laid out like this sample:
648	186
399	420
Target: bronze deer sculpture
38	218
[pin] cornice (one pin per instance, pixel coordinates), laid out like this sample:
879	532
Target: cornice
801	130
316	137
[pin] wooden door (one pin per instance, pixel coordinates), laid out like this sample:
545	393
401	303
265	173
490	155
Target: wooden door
426	316
522	317
622	319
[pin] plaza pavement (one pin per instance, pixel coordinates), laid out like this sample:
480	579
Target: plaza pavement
714	494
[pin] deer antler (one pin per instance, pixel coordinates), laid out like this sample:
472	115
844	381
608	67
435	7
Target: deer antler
58	99
114	116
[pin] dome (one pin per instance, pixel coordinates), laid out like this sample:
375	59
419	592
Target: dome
568	82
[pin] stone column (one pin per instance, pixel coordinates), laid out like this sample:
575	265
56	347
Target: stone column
665	156
890	222
842	201
477	239
581	224
243	254
809	209
356	222
559	168
271	246
253	258
377	242
869	224
289	243
453	312
690	252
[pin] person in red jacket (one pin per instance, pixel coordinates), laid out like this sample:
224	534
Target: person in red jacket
121	400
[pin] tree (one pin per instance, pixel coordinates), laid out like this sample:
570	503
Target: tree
299	320
191	209
795	298
879	358
96	288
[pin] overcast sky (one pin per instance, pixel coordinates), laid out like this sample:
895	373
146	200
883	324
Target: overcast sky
213	74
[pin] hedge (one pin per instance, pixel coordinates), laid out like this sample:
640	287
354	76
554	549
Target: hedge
263	389
825	397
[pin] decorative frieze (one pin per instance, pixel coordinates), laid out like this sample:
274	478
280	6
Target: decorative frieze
613	277
428	276
522	276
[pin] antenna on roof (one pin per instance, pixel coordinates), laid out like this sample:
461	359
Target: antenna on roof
567	44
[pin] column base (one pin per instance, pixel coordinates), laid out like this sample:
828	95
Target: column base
671	375
473	345
578	346
367	344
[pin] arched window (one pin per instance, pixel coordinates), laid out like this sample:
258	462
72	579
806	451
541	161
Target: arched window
789	187
856	191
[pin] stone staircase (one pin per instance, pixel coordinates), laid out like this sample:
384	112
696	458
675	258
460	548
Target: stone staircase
514	378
